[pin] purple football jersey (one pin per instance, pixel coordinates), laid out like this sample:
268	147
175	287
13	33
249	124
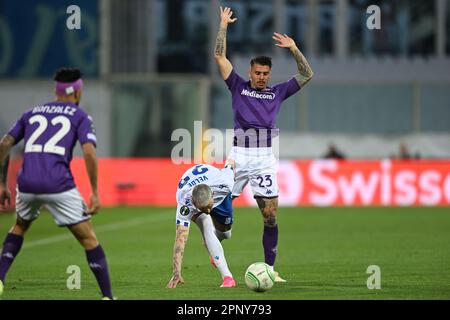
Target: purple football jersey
257	109
50	132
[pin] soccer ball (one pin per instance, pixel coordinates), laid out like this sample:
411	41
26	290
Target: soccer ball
259	277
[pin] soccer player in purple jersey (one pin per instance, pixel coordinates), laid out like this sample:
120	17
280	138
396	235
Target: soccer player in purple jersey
255	108
50	132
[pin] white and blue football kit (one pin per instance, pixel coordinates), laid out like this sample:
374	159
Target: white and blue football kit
221	182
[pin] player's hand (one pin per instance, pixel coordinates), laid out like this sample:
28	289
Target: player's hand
94	205
225	15
231	163
5	198
176	279
284	40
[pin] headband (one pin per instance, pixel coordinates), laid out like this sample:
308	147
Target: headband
67	88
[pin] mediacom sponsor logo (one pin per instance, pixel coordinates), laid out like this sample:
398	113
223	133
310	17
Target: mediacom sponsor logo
258	95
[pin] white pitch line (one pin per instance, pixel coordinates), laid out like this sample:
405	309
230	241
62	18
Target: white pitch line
104	228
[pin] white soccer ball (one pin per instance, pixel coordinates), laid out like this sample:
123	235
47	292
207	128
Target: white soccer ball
259	277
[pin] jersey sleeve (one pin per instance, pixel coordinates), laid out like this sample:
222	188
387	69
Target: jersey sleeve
184	215
233	80
86	131
288	88
18	130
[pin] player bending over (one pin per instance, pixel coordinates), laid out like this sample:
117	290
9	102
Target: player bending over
204	196
50	132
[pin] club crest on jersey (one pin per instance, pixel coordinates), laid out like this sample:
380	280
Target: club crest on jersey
184	210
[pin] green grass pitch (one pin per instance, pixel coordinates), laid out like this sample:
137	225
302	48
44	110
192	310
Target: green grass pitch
322	252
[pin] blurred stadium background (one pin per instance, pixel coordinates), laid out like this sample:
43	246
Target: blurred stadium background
150	70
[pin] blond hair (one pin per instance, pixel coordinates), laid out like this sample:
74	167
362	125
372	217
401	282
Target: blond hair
201	195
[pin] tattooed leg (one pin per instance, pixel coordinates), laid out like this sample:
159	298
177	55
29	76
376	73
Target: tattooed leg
269	207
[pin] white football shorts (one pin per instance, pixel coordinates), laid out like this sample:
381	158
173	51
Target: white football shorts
257	166
67	208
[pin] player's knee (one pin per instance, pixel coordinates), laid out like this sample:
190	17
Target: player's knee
227	234
270	220
270	216
221	235
89	243
20	227
268	208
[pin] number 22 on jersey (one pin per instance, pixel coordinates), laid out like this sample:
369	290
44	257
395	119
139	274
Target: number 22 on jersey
51	145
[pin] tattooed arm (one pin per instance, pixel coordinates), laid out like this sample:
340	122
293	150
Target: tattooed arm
225	66
5	146
305	72
178	252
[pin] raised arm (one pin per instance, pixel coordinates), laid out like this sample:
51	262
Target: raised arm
181	238
5	146
90	159
305	72
225	66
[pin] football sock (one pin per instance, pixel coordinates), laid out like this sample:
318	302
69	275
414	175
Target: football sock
11	247
222	235
270	240
97	262
213	244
